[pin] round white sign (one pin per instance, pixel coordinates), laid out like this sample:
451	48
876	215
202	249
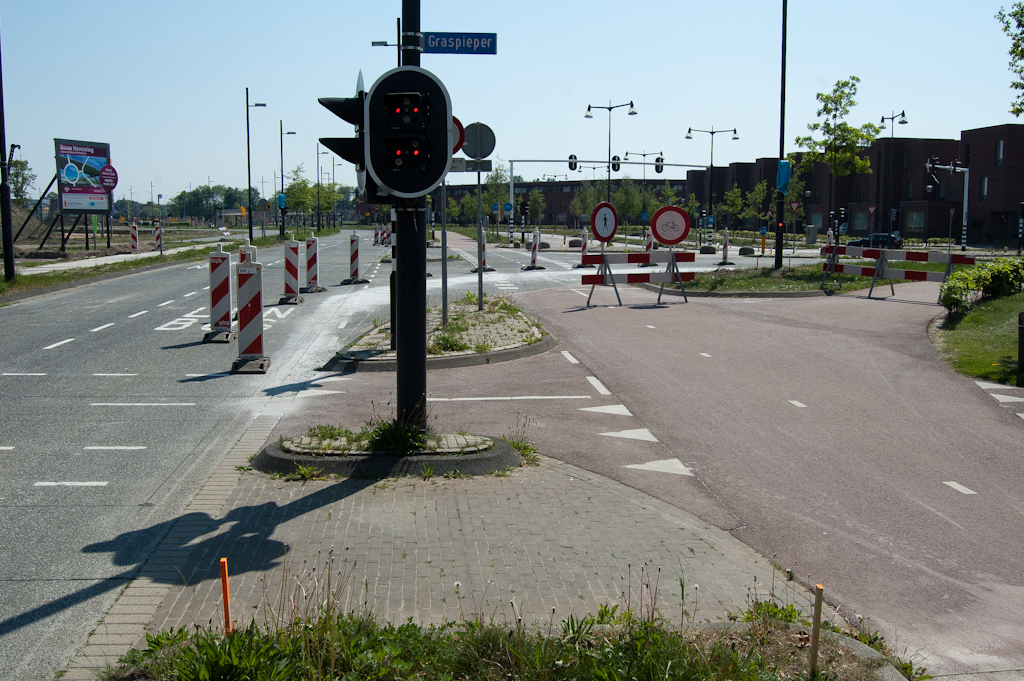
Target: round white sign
670	225
604	221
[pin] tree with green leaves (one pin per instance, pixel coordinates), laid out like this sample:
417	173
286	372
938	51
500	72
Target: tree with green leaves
299	194
21	178
495	190
583	202
627	200
536	202
467	208
666	197
832	140
731	205
453	211
753	203
1012	24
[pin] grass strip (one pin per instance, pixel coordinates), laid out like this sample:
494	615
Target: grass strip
983	342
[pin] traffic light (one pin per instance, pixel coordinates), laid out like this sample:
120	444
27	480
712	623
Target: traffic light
408	136
659	164
572	162
351	110
615	163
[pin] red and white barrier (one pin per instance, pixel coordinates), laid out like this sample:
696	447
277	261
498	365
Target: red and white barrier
884	256
251	356
386	241
353	260
606	277
220	298
648	247
291	274
312	267
159	238
134	232
533	253
376	235
246	253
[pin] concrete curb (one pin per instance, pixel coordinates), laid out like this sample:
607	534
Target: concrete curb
736	294
501	455
546	342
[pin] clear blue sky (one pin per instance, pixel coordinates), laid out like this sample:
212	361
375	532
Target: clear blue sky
164	82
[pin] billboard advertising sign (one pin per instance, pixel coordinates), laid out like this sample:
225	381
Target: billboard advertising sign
84	176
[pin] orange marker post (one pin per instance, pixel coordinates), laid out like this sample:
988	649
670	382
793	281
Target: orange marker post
227	595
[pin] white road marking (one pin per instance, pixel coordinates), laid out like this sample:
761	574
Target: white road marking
344	323
1007	398
277	312
331	379
582	293
142	404
649	326
70	484
515	397
6	449
634	434
13	374
206	288
222	373
704	354
57	345
115	374
568	356
598	386
994	386
674	466
165	303
137	314
100	328
116	448
800	405
1021	415
959	488
317	392
617	409
188	295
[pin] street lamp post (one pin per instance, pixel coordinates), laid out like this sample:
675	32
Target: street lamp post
589	114
248	154
318	178
281	208
903	121
711	168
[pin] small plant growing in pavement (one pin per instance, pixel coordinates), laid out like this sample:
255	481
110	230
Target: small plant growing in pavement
518	438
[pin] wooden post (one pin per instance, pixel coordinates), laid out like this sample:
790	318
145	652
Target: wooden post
818	594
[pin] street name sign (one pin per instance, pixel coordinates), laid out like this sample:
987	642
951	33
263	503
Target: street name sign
460	43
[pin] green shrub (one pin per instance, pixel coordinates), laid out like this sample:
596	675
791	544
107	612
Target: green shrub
1001	277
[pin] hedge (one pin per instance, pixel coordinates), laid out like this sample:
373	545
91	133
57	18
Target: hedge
963	288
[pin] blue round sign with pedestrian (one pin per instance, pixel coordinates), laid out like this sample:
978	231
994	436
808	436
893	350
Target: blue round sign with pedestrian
764	230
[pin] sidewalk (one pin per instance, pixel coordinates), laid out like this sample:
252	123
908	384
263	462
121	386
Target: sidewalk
105	259
553	539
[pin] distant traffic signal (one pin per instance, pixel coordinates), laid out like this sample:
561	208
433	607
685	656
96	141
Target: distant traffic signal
659	164
615	163
572	162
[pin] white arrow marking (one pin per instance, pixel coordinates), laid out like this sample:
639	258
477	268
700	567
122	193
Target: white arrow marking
674	466
636	434
618	409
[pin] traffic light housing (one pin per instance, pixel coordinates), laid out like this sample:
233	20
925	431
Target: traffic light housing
615	163
572	162
408	132
352	149
659	164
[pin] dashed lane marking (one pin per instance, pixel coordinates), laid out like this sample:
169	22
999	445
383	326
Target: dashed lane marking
58	344
994	386
598	386
674	466
14	374
634	434
142	404
113	448
6	449
568	356
115	374
704	354
649	326
1007	398
70	484
188	295
799	405
617	409
165	303
137	314
100	328
959	488
510	398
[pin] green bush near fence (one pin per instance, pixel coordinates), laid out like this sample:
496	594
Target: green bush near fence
963	288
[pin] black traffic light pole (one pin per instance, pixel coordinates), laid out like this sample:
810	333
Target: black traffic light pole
411	268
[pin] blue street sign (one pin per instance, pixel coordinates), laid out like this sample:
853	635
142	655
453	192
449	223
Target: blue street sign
460	43
280	201
710	219
508	206
783	176
764	230
643	216
494	207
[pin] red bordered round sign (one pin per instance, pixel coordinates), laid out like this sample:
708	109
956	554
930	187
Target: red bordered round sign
461	137
604	221
670	225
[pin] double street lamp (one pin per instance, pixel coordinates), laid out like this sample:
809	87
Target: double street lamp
248	154
281	208
711	168
589	114
902	115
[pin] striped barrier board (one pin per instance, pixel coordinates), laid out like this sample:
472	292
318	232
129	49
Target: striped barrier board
159	238
220	298
251	357
134	232
312	267
353	260
890	255
884	256
291	274
626	278
533	253
626	258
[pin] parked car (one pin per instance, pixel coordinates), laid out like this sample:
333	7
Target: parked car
878	240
